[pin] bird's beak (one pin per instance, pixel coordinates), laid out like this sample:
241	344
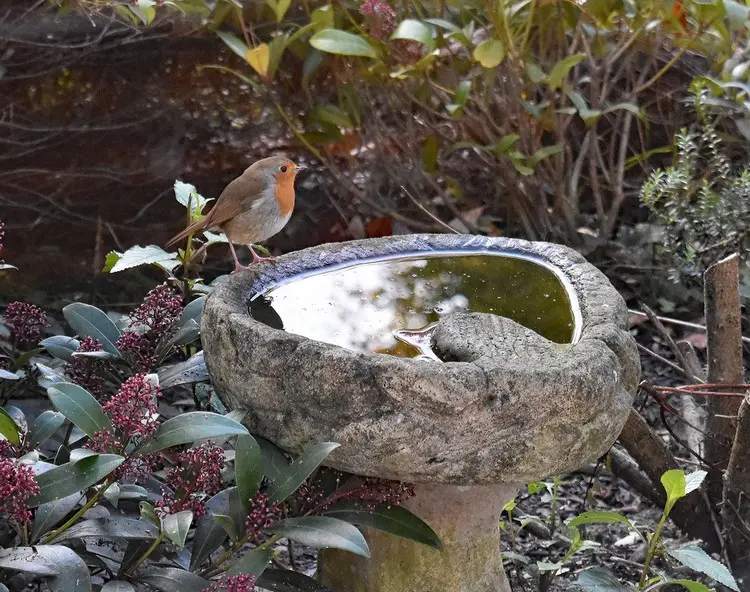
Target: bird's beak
302	168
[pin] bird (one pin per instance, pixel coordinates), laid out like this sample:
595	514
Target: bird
252	208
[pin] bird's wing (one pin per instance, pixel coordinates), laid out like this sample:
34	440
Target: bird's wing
235	199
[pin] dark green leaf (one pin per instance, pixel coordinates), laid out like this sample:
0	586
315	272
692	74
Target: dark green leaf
543	153
275	462
118	586
65	571
188	333
8	428
48	515
7	375
342	43
172	579
72	477
209	533
430	154
391	519
689	585
697	559
148	513
176	526
77	404
323	532
193	311
598	579
228	525
285	580
505	143
189	427
114	527
415	30
251	563
97	355
234	43
191	370
46	424
302	467
61	346
89	321
248	468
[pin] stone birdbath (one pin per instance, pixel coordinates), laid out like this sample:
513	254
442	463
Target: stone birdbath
491	406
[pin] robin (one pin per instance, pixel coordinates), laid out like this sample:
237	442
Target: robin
253	207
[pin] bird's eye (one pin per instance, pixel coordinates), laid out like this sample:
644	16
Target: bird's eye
282	168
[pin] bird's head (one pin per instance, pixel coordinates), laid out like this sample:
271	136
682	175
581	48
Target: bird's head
276	170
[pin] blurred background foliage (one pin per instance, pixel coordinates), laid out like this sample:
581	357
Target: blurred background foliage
536	118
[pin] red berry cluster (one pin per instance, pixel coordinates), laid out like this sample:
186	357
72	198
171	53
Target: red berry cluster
380	17
17	485
239	583
138	349
197	477
264	513
160	311
25	321
87	372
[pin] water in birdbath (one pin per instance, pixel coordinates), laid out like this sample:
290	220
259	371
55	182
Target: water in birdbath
390	305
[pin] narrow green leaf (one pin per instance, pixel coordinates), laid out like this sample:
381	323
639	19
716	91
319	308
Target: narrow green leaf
75	403
189	427
302	467
600	517
248	468
543	153
286	580
61	346
176	526
112	528
275	462
173	579
252	563
89	321
430	154
599	579
9	429
65	570
505	143
48	515
387	518
561	69
193	311
234	43
209	532
341	42
490	53
323	532
690	585
72	477
697	559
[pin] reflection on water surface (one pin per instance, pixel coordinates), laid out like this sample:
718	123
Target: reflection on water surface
360	307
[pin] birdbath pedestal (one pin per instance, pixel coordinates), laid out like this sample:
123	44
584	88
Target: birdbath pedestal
503	407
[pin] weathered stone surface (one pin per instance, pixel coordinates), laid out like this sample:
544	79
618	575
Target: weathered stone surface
508	407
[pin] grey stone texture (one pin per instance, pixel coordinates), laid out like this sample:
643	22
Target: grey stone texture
506	406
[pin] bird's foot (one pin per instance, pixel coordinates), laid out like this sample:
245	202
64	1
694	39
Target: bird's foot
257	258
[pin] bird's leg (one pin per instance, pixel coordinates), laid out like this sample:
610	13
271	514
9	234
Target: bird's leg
257	258
237	266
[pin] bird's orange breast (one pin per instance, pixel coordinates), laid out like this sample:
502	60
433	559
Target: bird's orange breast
284	194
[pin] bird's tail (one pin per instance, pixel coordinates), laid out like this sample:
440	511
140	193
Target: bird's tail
192	229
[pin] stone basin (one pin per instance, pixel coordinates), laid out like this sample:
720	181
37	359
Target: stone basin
501	407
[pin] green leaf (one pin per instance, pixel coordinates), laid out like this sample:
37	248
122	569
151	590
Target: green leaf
598	579
176	526
148	513
72	477
9	429
323	18
430	154
146	14
112	528
191	370
275	463
75	403
490	53
189	427
248	468
236	45
173	579
600	517
543	153
252	563
286	580
535	73
46	424
505	143
300	469
697	559
5	375
89	321
279	8
61	346
63	569
674	484
323	532
561	69
148	255
48	515
209	533
689	585
341	42
387	518
185	194
415	30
